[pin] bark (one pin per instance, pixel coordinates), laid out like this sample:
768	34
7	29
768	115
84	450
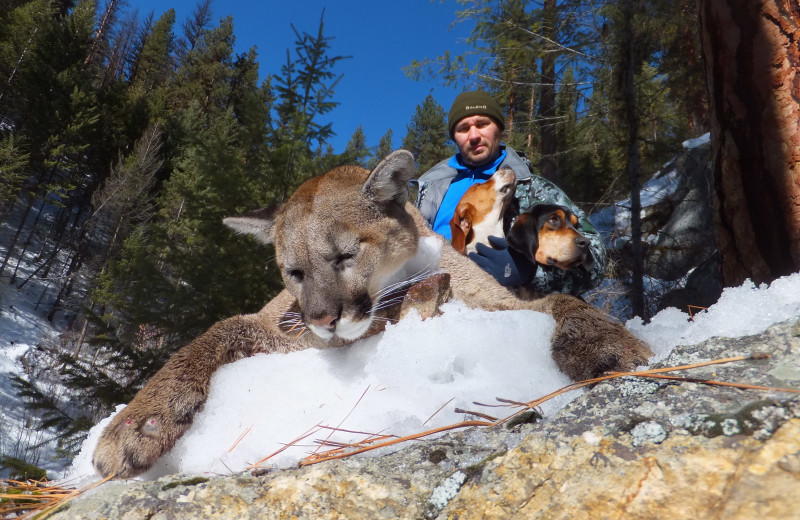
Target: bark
15	238
752	59
529	140
632	119
547	106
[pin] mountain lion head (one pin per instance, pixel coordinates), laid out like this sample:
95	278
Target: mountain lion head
340	240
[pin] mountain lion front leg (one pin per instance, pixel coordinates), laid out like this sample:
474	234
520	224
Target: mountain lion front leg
587	343
163	410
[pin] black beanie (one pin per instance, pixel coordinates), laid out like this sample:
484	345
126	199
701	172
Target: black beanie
476	102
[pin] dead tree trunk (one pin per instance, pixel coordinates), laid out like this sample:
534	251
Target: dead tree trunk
752	59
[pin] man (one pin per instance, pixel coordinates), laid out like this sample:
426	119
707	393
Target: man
476	125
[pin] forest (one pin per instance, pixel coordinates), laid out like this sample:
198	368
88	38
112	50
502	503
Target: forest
124	140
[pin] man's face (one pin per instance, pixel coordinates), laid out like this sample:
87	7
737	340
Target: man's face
478	139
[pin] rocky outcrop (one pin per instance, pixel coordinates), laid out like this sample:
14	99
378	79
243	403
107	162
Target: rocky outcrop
678	231
629	448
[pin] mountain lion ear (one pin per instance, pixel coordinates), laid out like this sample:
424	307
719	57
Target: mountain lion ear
259	223
389	180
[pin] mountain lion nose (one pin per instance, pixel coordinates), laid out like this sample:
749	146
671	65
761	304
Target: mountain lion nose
325	322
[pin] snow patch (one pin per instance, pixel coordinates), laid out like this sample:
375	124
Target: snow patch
395	382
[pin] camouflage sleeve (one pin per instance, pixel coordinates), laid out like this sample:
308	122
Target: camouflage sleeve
552	279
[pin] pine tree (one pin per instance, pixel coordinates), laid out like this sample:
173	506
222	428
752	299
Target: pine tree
427	136
356	151
13	161
304	91
384	148
152	63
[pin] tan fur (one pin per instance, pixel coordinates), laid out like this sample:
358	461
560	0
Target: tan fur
480	211
557	241
347	232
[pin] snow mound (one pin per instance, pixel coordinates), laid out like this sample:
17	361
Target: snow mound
395	382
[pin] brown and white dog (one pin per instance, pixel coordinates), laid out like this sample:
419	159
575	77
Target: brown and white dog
547	234
482	211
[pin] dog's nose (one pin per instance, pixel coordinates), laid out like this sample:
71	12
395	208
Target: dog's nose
582	242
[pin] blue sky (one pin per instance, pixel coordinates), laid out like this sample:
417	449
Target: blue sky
382	37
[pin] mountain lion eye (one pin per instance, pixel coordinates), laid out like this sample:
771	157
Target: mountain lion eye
296	275
343	259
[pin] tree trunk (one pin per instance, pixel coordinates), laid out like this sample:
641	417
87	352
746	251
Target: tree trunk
632	119
547	103
13	243
752	59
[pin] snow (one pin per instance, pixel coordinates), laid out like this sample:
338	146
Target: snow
23	328
614	221
393	383
697	141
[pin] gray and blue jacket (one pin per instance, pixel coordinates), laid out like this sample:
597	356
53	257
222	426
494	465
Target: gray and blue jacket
531	189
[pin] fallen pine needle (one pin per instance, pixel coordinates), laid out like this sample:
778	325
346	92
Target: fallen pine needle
37	499
476	414
340	452
437	411
310	432
722	383
322	457
348	414
241	437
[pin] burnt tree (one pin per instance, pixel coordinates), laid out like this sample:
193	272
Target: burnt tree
752	59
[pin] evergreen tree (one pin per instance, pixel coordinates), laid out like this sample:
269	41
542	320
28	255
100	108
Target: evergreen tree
304	90
194	27
384	148
152	64
356	151
13	161
427	136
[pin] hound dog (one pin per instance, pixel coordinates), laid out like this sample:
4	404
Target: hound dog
547	234
483	210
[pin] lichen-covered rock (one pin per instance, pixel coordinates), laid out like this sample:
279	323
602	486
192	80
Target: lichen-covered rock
629	449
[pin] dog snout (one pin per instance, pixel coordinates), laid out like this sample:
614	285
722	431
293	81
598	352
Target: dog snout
582	242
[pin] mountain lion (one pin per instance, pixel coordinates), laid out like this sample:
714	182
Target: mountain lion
345	243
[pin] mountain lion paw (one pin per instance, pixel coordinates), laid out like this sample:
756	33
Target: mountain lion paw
587	343
129	445
145	430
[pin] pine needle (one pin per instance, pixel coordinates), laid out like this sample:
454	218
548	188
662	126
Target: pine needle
241	437
37	498
341	450
315	458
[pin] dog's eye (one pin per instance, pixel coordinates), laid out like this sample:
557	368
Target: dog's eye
553	220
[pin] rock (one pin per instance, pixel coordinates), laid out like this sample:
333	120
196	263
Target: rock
678	232
681	224
702	289
629	448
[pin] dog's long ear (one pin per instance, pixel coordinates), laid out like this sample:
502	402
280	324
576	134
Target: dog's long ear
524	237
388	182
461	227
259	223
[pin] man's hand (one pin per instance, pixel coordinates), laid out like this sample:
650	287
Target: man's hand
509	268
